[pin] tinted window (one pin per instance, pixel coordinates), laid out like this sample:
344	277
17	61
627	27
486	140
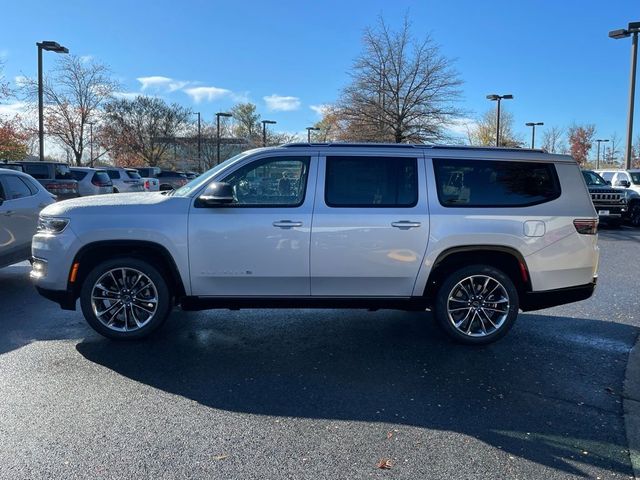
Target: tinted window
37	171
31	185
133	174
63	172
113	174
79	174
16	187
608	176
635	177
101	177
371	182
2	196
488	183
277	181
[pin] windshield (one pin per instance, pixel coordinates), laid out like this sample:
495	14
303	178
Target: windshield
206	177
592	178
635	177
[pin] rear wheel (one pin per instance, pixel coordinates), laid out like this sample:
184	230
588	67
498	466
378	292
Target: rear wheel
476	305
125	298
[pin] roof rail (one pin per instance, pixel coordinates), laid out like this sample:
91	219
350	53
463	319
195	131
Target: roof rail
410	145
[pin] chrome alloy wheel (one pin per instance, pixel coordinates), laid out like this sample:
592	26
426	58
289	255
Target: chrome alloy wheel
478	305
124	299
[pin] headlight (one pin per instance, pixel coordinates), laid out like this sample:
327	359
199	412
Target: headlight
52	224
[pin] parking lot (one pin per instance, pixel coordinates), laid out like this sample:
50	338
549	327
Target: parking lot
319	394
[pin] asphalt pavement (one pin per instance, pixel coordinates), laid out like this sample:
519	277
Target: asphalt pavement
320	394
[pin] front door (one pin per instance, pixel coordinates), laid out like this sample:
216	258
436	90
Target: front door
370	225
18	218
259	244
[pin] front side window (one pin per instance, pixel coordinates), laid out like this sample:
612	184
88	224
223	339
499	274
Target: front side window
78	174
492	183
113	174
63	172
275	181
16	187
593	179
133	174
608	176
366	182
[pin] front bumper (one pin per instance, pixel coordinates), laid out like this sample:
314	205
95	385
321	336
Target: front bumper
552	298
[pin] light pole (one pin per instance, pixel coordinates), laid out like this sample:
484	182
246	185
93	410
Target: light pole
598	157
533	131
264	130
218	115
199	145
309	130
50	47
498	98
632	30
91	143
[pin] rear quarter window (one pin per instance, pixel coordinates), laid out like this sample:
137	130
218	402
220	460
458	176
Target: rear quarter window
494	183
37	171
113	174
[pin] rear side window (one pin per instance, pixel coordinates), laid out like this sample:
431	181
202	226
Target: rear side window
492	183
16	187
133	174
78	174
101	177
113	174
37	171
369	182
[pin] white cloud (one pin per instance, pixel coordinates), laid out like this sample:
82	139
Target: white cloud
198	94
20	80
127	95
86	58
462	126
158	82
282	103
319	109
14	108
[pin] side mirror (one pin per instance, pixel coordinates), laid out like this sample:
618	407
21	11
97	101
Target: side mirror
608	182
216	194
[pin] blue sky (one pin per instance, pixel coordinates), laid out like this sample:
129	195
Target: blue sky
553	56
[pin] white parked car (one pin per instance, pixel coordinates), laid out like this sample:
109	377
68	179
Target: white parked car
473	234
21	199
92	181
125	179
622	178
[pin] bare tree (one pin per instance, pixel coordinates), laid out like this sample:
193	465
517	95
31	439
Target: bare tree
483	132
612	149
401	90
142	129
73	95
552	139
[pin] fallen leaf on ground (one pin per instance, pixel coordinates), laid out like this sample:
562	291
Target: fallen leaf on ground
384	463
220	457
389	434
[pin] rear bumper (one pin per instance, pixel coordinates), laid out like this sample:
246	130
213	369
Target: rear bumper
65	298
561	296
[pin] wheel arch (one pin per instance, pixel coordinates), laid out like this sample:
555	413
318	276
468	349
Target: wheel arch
93	253
507	259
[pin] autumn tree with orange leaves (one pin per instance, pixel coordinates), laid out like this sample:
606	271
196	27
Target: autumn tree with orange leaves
580	141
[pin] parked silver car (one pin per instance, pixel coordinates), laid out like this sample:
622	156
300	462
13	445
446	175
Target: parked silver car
21	199
473	234
125	179
92	181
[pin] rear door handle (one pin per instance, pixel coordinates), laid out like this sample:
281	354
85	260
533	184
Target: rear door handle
287	224
405	224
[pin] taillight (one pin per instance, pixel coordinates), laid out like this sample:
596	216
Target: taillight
147	185
586	226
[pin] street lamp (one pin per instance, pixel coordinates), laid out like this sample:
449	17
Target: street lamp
309	129
264	130
90	143
632	30
218	115
498	98
50	47
199	145
533	131
598	157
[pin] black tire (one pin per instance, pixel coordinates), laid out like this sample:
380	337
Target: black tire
450	288
634	215
115	190
163	304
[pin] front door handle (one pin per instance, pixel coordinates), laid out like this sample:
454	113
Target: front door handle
8	213
287	224
405	224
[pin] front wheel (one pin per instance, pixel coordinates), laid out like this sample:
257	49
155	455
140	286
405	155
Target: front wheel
634	215
125	298
476	305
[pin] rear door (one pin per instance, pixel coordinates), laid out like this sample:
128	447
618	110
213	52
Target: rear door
370	225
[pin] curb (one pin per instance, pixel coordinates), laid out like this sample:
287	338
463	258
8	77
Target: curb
631	406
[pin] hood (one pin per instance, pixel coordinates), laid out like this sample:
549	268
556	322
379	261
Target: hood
98	204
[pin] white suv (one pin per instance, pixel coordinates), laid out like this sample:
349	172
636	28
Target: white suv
474	234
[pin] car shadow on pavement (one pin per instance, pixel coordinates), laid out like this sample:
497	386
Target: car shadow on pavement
549	392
